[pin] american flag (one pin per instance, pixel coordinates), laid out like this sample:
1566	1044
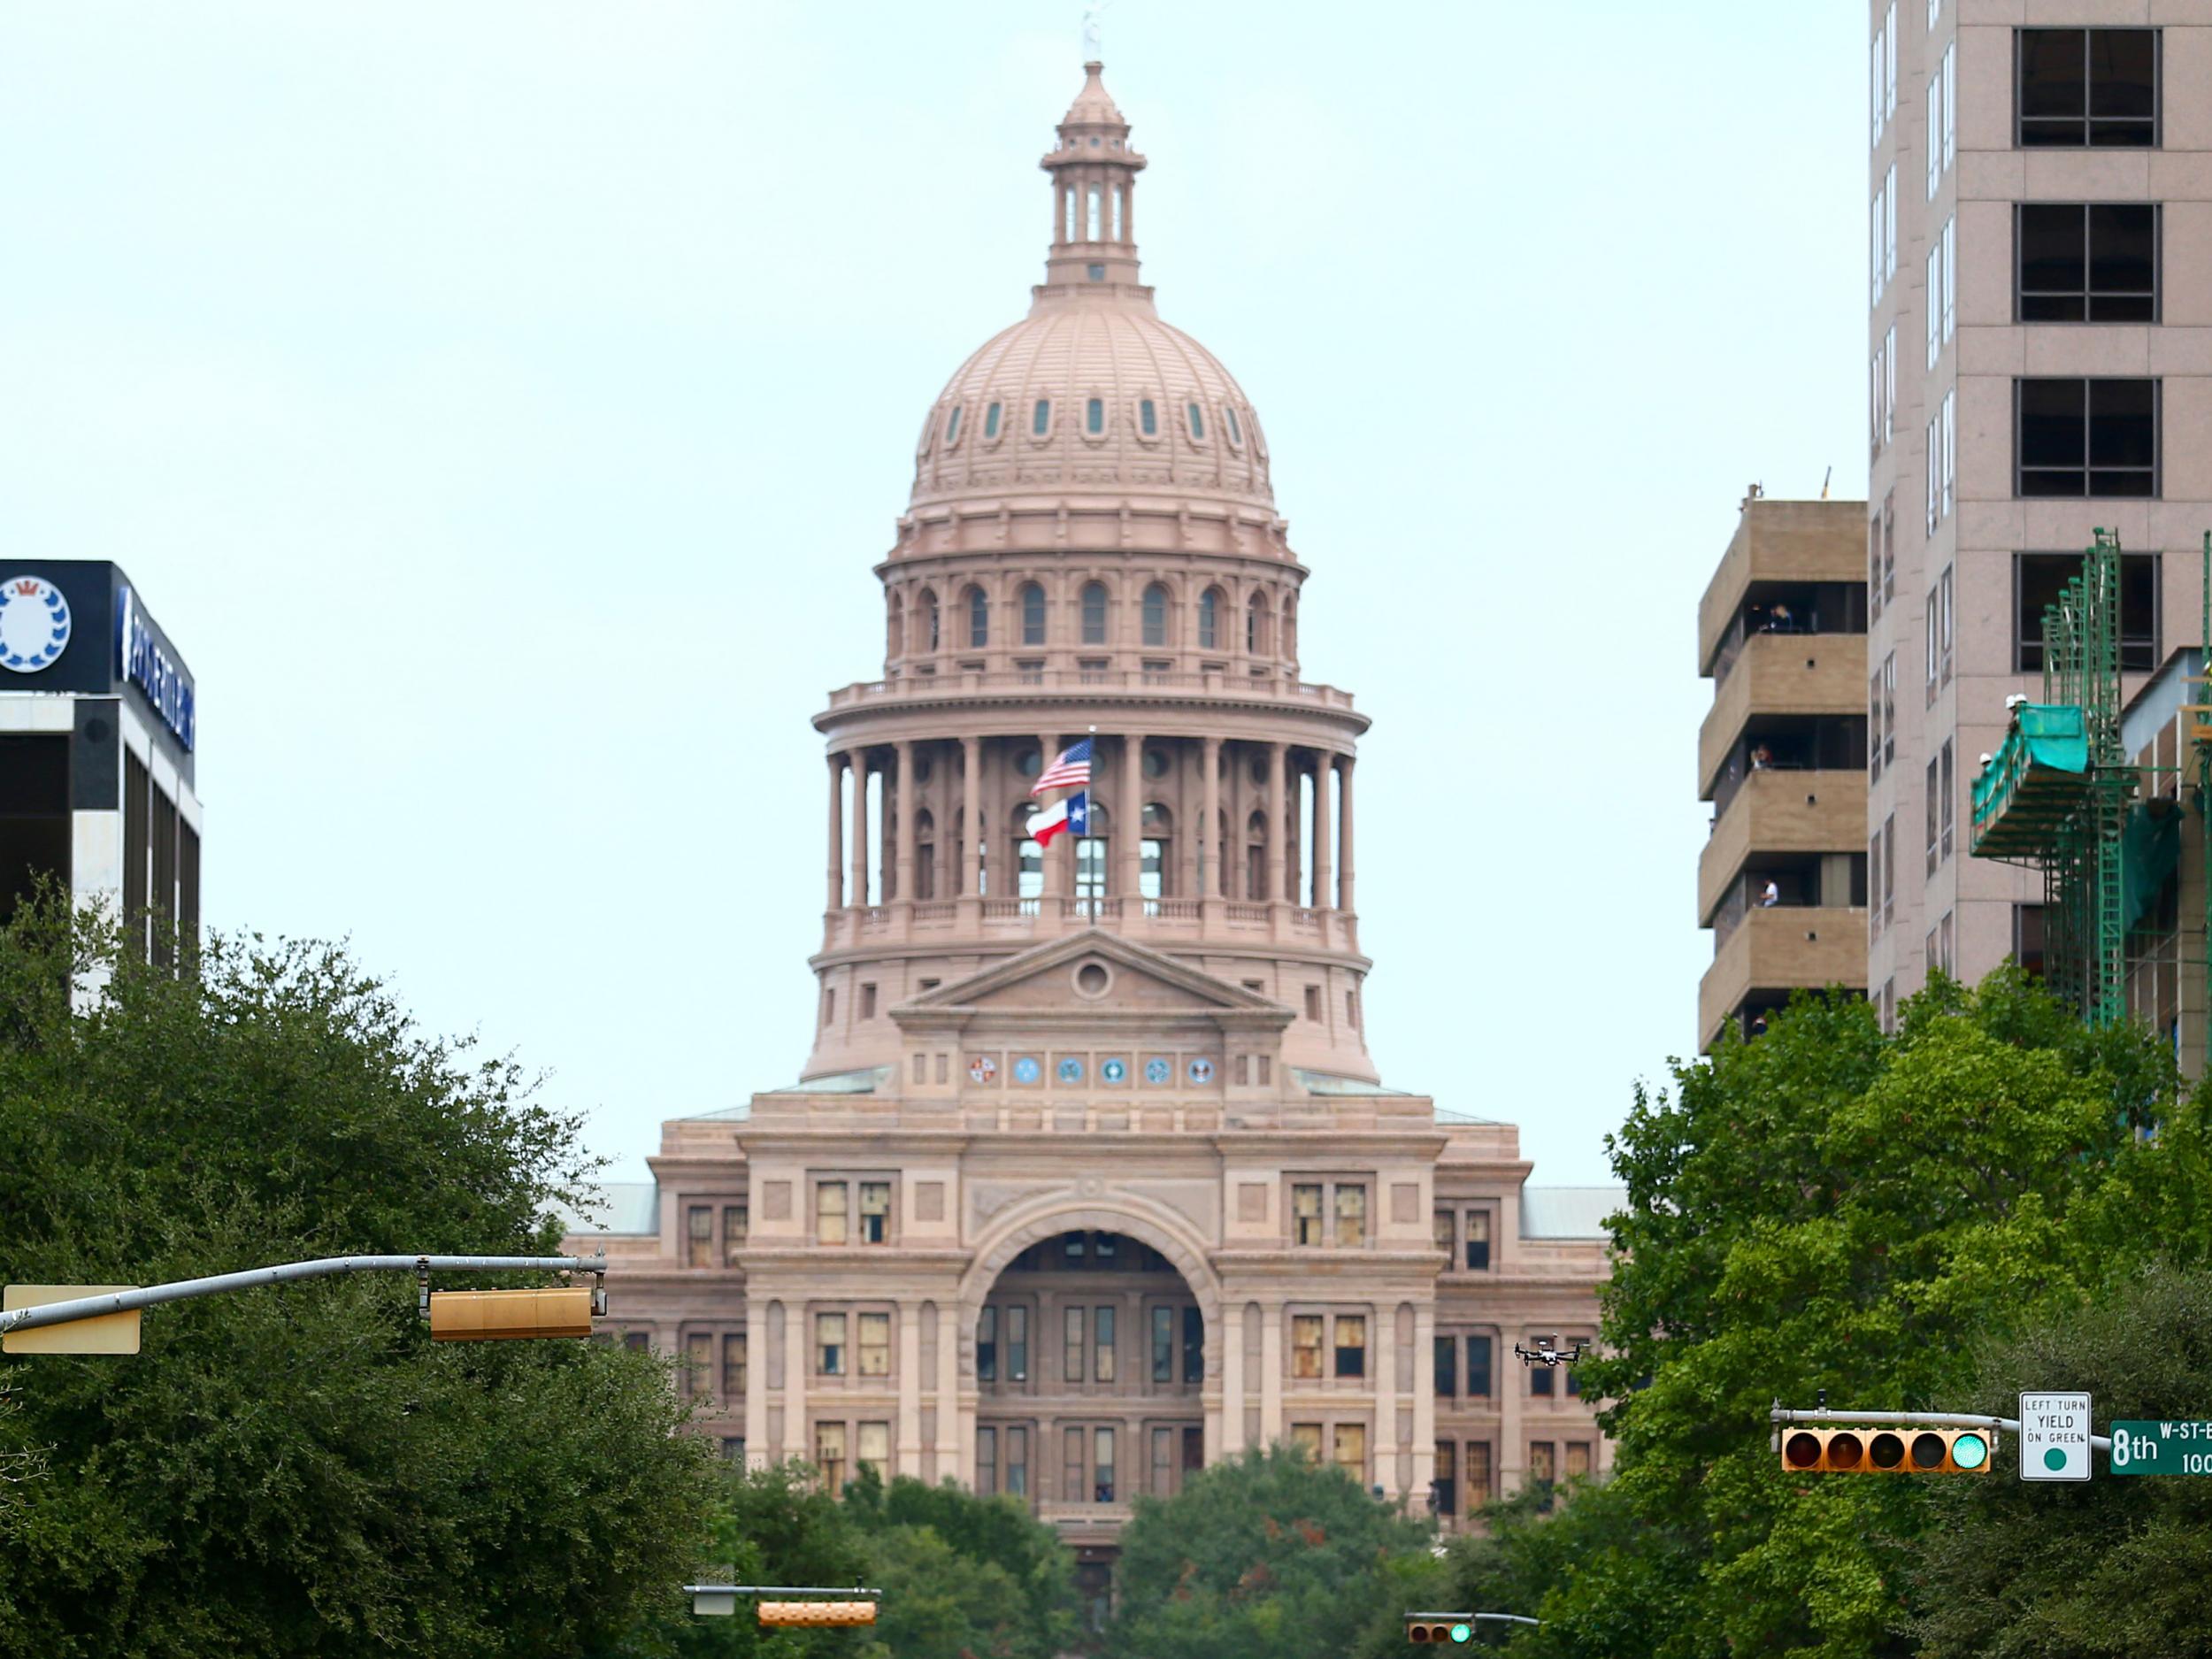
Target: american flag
1072	770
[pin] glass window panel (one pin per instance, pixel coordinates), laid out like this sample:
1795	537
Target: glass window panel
1351	1215
1479	1240
1540	1463
987	1346
1540	1380
1102	1367
1305	1345
1578	1459
1072	1344
1018	1462
1305	1211
829	1213
2053	83
1162	1462
1477	1367
829	1344
699	1365
1446	1366
1351	1345
875	1344
1040	417
1148	415
1349	1449
1163	1344
875	1448
985	1460
990	421
875	1211
1095	415
1072	1466
734	1366
736	1225
1197	423
1017	1344
1306	1439
699	1245
1102	1454
1478	1473
1445	1233
829	1456
1194	1346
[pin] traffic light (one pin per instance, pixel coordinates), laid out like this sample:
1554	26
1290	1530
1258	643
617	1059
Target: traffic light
1876	1451
508	1316
818	1613
1448	1628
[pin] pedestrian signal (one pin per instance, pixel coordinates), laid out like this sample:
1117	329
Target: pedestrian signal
1446	1628
818	1613
503	1315
1871	1451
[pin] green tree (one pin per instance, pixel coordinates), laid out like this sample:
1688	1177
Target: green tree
298	1470
1832	1207
2109	1566
1265	1553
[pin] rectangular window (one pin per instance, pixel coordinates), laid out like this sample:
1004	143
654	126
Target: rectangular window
1305	1346
1351	1345
1928	646
1949	785
1162	1462
2086	88
1163	1344
1931	792
1889	63
1540	1463
1876	83
1446	1232
736	1226
829	1213
1305	1439
987	1346
1017	1462
1479	1476
1949	421
1102	1461
1935	125
1874	881
1194	1346
1305	1214
1889	708
1348	1449
2085	262
1103	1368
829	1344
1935	286
875	1448
1540	1380
1874	248
1874	728
1445	1485
699	1365
1477	1368
985	1460
868	1001
1351	1216
2037	581
1445	1360
1950	79
1889	387
875	1212
1478	1240
1889	867
1944	625
1577	1460
1950	276
1072	1344
1935	466
734	1366
875	1344
1017	1344
829	1456
699	1241
1073	1464
1889	224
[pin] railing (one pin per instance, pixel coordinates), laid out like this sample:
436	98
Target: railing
1241	913
935	909
875	918
1259	688
1008	910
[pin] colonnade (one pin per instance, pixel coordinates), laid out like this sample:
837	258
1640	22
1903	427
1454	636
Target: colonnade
1317	831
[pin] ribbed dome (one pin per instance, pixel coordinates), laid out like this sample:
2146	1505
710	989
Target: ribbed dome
1127	403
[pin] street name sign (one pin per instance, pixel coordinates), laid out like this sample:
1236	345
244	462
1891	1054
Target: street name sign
2055	1437
2162	1449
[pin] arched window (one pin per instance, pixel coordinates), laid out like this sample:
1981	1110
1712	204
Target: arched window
1149	418
1095	415
990	421
925	855
952	427
1040	417
1033	614
1290	626
1155	615
1028	860
1255	858
978	619
1209	620
1091	863
1155	869
1094	613
1197	424
894	627
926	620
1236	433
1255	626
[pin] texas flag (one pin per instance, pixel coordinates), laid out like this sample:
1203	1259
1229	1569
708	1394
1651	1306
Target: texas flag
1075	813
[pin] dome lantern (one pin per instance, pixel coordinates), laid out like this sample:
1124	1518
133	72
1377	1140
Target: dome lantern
1093	174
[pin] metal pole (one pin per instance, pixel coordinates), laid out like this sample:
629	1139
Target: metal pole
183	1290
846	1590
1913	1419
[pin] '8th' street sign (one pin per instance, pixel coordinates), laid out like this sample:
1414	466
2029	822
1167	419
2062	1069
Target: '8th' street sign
2162	1449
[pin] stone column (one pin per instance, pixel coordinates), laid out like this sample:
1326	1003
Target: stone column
1423	1396
860	828
1217	852
836	900
1509	1377
1233	1384
1271	1371
1344	840
1129	825
950	1437
1278	823
908	1446
908	804
756	1384
1325	763
1382	1320
971	780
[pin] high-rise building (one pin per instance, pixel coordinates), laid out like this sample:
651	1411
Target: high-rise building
98	723
2041	184
1090	1178
1782	881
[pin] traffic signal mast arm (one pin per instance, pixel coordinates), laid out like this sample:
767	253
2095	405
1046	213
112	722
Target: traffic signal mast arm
183	1290
1910	1419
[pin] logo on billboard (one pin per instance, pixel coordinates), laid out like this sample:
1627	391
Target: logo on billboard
34	624
140	659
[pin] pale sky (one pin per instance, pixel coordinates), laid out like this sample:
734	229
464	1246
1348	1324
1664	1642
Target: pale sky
501	404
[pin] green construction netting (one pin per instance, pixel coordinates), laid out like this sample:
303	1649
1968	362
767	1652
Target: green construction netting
2150	848
2035	781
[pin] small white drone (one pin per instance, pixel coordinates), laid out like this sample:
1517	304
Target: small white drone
1547	1351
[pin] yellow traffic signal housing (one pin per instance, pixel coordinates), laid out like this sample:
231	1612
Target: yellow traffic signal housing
1446	1628
1880	1451
509	1316
818	1613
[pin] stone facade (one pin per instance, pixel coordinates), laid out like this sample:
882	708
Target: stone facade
1090	1180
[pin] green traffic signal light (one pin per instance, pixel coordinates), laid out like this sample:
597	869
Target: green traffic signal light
1969	1451
1463	1632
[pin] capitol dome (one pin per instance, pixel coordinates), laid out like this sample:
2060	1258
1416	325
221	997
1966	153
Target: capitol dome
1092	393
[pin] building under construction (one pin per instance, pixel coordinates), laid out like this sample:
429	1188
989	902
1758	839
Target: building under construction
2110	801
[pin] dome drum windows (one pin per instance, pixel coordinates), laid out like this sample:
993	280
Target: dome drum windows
1148	419
1040	418
990	422
1095	418
1196	419
1155	615
978	619
1094	613
1032	604
952	427
1228	414
1209	620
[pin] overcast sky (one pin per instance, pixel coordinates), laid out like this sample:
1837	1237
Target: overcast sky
501	406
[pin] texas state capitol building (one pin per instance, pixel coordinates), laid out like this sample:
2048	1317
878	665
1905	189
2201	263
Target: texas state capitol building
1090	1180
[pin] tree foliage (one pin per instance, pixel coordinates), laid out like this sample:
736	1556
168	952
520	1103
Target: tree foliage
1266	1553
299	1469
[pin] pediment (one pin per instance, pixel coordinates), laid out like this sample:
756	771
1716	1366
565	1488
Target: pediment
1091	972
